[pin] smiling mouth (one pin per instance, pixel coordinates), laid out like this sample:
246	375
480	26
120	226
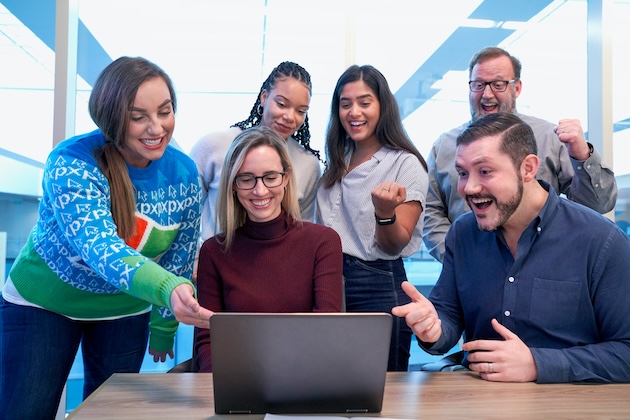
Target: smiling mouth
261	203
489	107
152	142
480	203
283	127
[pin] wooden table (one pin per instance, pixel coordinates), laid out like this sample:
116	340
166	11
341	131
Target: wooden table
408	395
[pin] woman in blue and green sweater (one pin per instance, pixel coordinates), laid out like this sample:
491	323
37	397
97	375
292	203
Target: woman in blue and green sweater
111	254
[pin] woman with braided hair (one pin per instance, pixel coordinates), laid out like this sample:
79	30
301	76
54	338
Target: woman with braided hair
281	105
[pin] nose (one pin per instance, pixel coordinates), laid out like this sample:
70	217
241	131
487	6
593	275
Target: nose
289	115
354	110
469	186
154	126
260	188
487	92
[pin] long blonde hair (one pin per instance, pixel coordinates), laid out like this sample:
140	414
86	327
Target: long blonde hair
230	212
110	105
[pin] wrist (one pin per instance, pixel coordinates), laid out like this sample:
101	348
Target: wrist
383	221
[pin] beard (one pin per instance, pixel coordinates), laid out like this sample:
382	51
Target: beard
505	209
476	110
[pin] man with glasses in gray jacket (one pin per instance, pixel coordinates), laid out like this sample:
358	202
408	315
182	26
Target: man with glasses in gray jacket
567	162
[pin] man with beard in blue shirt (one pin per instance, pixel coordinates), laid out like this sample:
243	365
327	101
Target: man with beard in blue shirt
538	284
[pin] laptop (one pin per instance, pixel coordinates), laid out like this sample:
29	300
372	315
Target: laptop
299	362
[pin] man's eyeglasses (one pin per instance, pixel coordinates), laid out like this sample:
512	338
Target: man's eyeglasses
495	85
248	182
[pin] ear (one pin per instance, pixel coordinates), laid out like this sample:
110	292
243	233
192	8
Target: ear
518	85
263	97
529	167
287	177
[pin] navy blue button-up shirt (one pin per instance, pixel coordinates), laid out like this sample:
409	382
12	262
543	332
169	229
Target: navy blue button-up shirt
566	294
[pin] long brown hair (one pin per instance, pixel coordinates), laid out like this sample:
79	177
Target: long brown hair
389	129
110	107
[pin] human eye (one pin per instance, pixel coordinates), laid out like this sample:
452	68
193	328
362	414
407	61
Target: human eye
498	84
280	104
477	85
461	173
344	104
136	117
165	111
245	180
272	176
485	172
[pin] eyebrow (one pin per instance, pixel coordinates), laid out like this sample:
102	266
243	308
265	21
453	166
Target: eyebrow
162	105
279	96
367	95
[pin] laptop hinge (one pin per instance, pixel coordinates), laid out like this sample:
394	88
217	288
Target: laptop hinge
240	411
356	410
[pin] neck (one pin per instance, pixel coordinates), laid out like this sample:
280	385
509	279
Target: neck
534	198
363	151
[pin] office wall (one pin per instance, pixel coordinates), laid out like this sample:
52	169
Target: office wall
17	217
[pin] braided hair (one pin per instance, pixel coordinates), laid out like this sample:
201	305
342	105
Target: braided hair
284	69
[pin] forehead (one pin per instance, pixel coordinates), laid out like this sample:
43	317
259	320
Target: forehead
150	92
261	158
481	151
291	88
498	66
356	89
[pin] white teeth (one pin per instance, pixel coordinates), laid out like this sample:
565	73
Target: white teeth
150	142
356	124
261	202
480	200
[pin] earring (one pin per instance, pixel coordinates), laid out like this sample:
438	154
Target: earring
259	110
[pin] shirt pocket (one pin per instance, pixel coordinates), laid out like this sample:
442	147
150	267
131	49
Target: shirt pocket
555	303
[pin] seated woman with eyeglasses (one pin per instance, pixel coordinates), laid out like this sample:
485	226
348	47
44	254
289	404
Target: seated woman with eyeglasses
265	259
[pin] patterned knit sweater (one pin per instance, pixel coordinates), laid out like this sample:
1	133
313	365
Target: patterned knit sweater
75	264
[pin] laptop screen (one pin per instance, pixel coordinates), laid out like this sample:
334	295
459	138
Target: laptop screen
299	362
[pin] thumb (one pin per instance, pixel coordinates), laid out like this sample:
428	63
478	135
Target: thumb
501	330
186	295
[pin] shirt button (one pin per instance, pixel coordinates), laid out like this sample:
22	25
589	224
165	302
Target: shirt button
596	185
507	313
579	168
588	166
511	279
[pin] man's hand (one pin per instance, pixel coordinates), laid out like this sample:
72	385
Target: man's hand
507	360
571	134
187	309
420	315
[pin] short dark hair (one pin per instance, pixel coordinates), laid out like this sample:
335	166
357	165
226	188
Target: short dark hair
494	52
517	138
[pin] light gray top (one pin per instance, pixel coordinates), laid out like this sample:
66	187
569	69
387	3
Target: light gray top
347	206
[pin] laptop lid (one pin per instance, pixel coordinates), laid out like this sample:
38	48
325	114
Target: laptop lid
299	362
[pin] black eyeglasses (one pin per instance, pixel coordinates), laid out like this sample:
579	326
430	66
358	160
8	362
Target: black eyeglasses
248	182
495	85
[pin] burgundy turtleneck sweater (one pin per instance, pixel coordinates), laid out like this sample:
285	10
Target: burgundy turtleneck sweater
276	266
